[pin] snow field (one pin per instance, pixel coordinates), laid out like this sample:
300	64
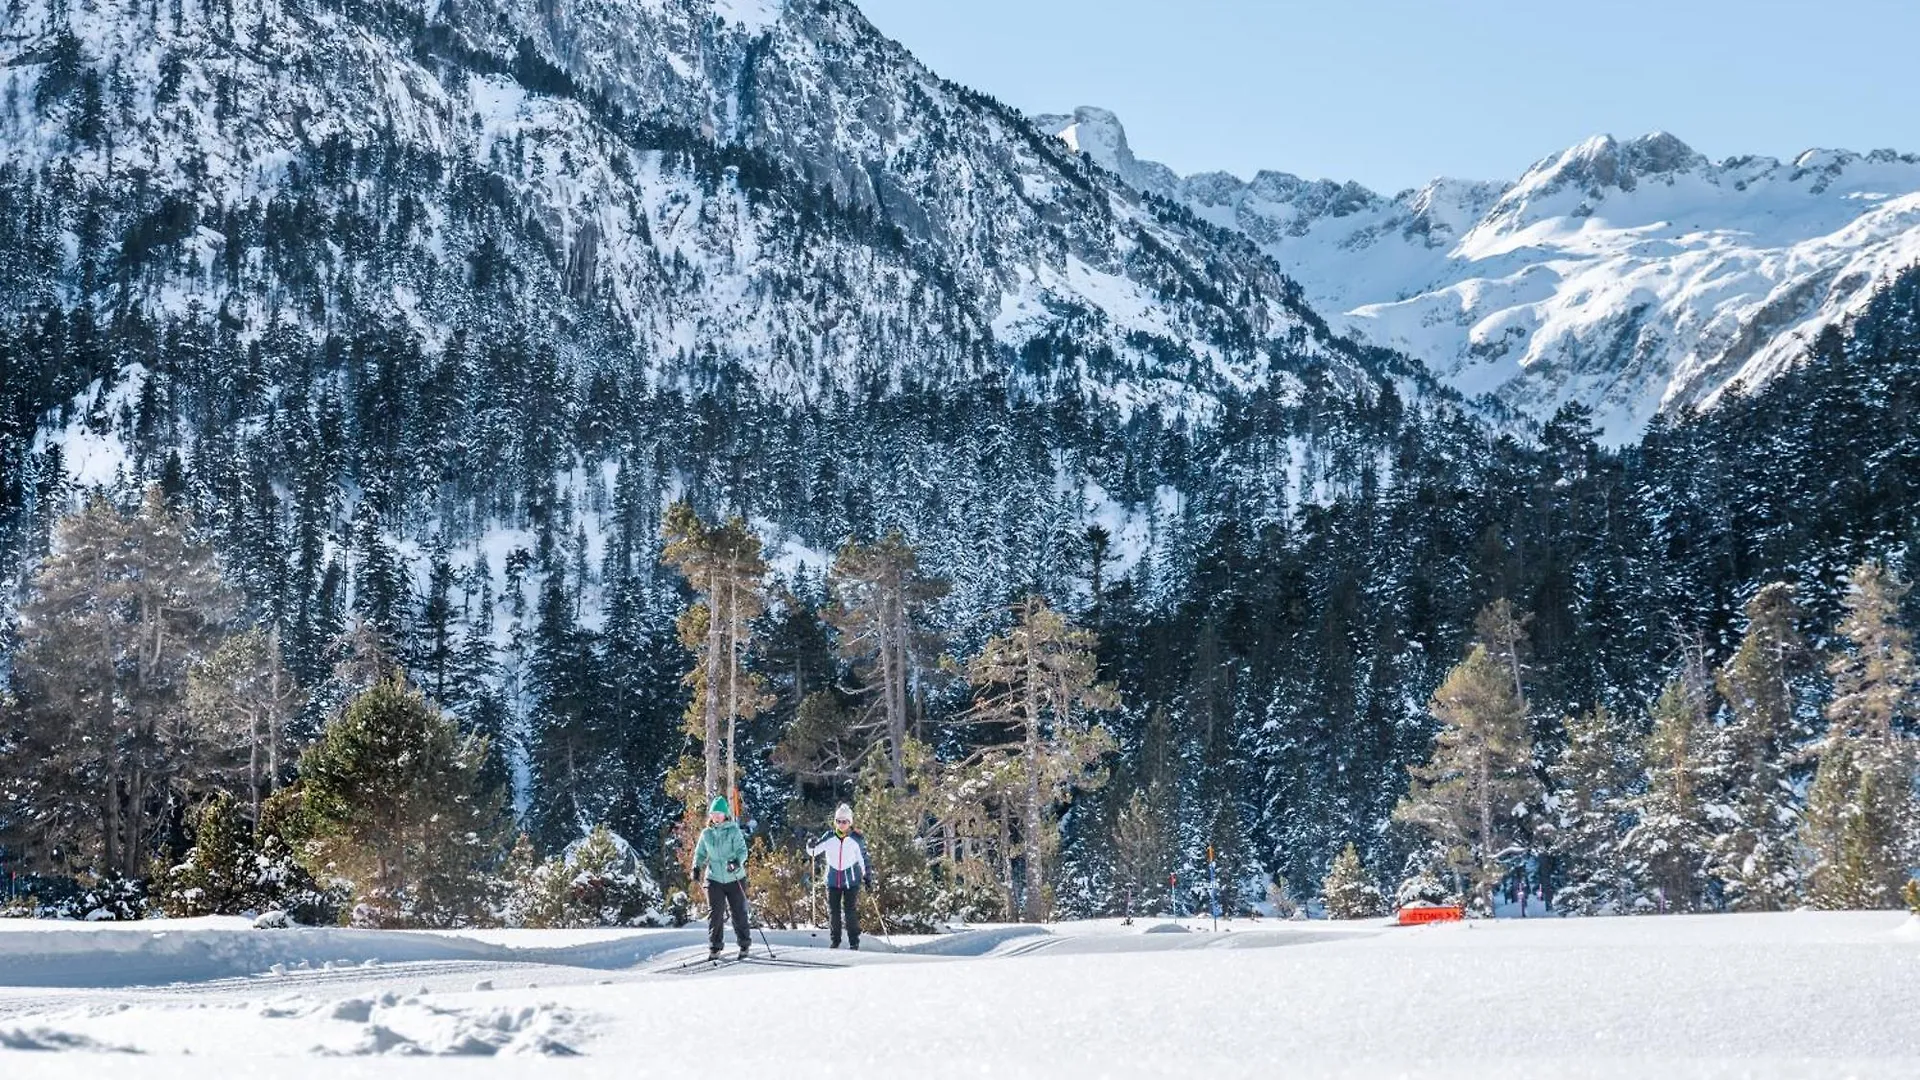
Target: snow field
1793	995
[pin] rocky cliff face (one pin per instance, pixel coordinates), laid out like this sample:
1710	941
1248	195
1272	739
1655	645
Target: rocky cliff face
770	182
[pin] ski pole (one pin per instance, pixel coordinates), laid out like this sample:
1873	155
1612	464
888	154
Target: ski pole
762	928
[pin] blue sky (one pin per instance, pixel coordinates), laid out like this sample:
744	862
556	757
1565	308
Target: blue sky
1394	92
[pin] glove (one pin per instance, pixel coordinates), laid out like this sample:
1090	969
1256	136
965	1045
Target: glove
733	865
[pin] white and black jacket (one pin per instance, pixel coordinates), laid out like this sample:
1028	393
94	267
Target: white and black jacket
846	859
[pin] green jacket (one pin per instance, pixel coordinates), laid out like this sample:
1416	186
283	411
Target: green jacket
722	851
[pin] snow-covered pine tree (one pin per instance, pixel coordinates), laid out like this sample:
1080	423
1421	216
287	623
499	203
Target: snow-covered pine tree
1143	848
1349	891
1853	828
1874	679
1753	853
1427	879
880	608
529	892
392	805
1038	680
607	884
566	747
1861	812
217	877
1665	850
1594	778
1464	799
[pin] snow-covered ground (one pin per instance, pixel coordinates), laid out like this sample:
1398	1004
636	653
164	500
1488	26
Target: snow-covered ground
1797	995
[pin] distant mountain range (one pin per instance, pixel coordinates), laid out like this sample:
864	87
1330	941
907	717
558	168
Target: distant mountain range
1629	276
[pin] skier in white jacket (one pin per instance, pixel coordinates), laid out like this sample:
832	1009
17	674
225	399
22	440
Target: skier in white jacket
847	870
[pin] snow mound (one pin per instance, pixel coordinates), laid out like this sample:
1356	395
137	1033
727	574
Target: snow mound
201	950
41	1038
973	942
411	1028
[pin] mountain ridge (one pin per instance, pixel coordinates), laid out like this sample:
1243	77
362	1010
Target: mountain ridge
1635	277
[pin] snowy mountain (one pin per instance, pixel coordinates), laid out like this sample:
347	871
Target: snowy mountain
772	182
425	314
1629	276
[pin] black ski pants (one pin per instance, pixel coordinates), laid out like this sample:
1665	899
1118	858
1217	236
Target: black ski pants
721	899
844	900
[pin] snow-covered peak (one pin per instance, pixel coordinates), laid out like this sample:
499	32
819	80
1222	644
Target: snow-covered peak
1630	275
1598	167
1097	134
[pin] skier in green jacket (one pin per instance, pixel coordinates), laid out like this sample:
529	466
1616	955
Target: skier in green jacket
720	859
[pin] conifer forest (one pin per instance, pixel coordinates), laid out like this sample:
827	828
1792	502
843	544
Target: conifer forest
415	516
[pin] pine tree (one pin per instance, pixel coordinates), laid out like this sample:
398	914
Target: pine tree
1349	891
1481	771
777	883
436	660
393	807
1861	811
531	891
1853	826
822	744
1753	855
1873	682
607	885
1594	780
119	615
1666	849
218	875
1036	681
245	697
880	608
1504	632
568	744
723	564
1143	846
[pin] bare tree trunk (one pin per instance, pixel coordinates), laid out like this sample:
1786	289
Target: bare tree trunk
275	721
1031	907
253	762
892	676
714	635
110	823
1486	822
136	823
733	674
1006	856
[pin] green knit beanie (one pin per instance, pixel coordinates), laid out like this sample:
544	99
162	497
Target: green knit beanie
720	806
